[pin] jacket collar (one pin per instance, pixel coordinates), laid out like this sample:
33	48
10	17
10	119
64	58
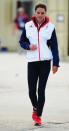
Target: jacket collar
46	20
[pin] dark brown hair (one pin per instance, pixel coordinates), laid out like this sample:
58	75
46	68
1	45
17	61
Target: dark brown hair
41	5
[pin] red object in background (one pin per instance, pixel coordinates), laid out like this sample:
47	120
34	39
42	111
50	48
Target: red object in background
0	47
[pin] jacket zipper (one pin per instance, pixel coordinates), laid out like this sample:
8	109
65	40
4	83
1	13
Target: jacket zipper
38	45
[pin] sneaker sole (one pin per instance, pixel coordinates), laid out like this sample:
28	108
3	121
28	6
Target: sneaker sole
37	124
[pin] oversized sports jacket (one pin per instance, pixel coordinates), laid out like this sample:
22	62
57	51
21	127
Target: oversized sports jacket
44	36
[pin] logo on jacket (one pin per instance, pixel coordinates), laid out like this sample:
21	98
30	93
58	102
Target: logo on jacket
31	26
46	26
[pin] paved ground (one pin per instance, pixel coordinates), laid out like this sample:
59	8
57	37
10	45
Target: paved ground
15	106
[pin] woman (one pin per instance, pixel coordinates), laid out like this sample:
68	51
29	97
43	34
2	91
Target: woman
39	39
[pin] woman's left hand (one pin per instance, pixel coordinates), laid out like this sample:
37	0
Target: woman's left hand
54	69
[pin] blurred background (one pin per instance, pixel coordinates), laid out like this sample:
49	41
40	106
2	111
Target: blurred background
58	11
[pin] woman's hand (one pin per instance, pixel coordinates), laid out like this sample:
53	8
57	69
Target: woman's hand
33	47
54	69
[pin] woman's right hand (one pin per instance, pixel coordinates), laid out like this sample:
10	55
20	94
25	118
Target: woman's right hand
33	47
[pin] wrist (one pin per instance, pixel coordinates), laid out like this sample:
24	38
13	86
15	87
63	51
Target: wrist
29	47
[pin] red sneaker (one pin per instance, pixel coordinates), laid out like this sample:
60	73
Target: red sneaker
37	121
34	114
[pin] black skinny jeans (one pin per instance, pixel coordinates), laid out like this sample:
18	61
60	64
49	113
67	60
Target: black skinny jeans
38	71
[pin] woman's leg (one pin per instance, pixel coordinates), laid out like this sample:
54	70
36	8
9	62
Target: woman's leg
32	82
43	77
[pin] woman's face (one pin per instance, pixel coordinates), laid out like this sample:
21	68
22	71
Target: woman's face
40	14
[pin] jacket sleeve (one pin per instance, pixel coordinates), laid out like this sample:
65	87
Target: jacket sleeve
54	48
24	41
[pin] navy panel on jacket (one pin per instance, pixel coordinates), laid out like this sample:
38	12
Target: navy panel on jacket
52	43
24	41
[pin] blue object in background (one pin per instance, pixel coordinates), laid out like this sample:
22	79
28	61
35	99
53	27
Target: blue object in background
3	49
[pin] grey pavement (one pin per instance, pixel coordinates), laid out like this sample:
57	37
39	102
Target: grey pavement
15	106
